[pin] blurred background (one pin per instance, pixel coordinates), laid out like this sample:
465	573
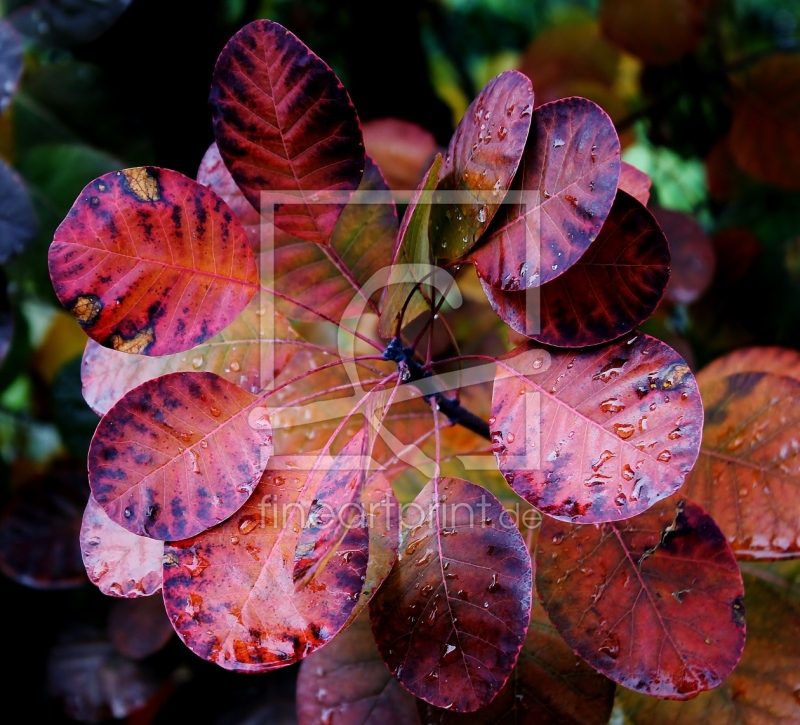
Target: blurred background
706	98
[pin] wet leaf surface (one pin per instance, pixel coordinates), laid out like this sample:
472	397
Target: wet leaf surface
452	616
95	683
480	164
657	31
66	22
139	628
347	683
550	685
747	473
599	434
348	272
151	262
410	288
39	529
655	603
215	175
11	51
119	563
635	182
693	257
250	352
613	287
18	225
178	455
762	689
284	123
229	591
567	181
764	137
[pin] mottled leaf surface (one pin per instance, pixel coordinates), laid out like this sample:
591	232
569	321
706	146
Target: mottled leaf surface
614	286
764	138
655	603
693	256
152	262
598	434
550	685
284	123
10	63
215	175
409	290
762	690
328	278
18	225
347	683
748	473
39	528
178	455
249	352
229	591
480	164
451	618
119	563
566	182
635	182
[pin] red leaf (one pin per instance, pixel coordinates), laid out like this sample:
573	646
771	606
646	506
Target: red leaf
599	434
284	123
119	563
139	628
763	687
693	258
480	163
215	175
349	270
550	685
635	182
614	286
39	531
568	180
655	603
178	454
747	473
151	262
657	31
347	683
409	289
249	352
451	618
401	149
229	591
775	360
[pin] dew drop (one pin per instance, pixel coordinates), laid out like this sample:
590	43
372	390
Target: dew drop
127	513
494	586
235	367
675	434
624	430
216	412
627	472
612	405
197	362
247	524
664	456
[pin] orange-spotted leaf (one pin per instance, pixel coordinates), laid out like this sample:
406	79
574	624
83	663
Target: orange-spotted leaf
565	186
655	603
285	126
693	257
480	164
451	618
249	352
763	687
599	434
550	685
748	473
635	182
178	455
229	591
347	683
152	262
614	286
119	563
215	175
350	271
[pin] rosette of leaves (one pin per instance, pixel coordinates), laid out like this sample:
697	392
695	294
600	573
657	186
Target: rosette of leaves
252	432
